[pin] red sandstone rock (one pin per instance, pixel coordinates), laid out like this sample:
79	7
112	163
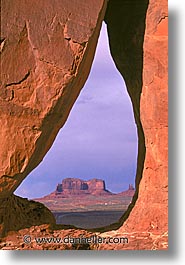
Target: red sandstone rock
136	241
70	196
32	98
130	192
144	68
46	45
75	186
152	205
78	187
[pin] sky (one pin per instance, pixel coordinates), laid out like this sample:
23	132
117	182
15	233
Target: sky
99	139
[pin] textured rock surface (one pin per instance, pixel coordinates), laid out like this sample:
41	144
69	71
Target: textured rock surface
45	46
136	241
146	226
152	204
17	213
150	74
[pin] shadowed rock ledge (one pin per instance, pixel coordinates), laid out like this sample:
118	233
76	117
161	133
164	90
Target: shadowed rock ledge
17	213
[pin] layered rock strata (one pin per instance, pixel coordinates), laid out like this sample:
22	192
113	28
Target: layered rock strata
75	186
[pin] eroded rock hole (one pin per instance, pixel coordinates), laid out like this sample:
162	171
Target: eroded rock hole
87	179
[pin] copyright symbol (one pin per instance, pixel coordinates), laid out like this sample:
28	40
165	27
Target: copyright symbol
27	239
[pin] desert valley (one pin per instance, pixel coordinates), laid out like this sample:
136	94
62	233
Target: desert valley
86	204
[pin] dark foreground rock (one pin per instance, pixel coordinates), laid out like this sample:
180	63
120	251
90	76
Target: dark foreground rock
17	213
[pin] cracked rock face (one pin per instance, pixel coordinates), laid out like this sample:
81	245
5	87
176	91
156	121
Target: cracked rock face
46	53
45	46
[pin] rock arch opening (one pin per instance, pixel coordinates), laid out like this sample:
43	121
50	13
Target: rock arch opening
37	114
94	153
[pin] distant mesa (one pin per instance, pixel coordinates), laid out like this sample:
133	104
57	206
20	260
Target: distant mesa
75	186
77	195
129	192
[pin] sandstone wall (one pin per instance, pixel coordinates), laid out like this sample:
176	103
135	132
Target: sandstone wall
147	223
151	209
47	48
40	85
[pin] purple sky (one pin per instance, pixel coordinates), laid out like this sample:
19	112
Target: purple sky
99	139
